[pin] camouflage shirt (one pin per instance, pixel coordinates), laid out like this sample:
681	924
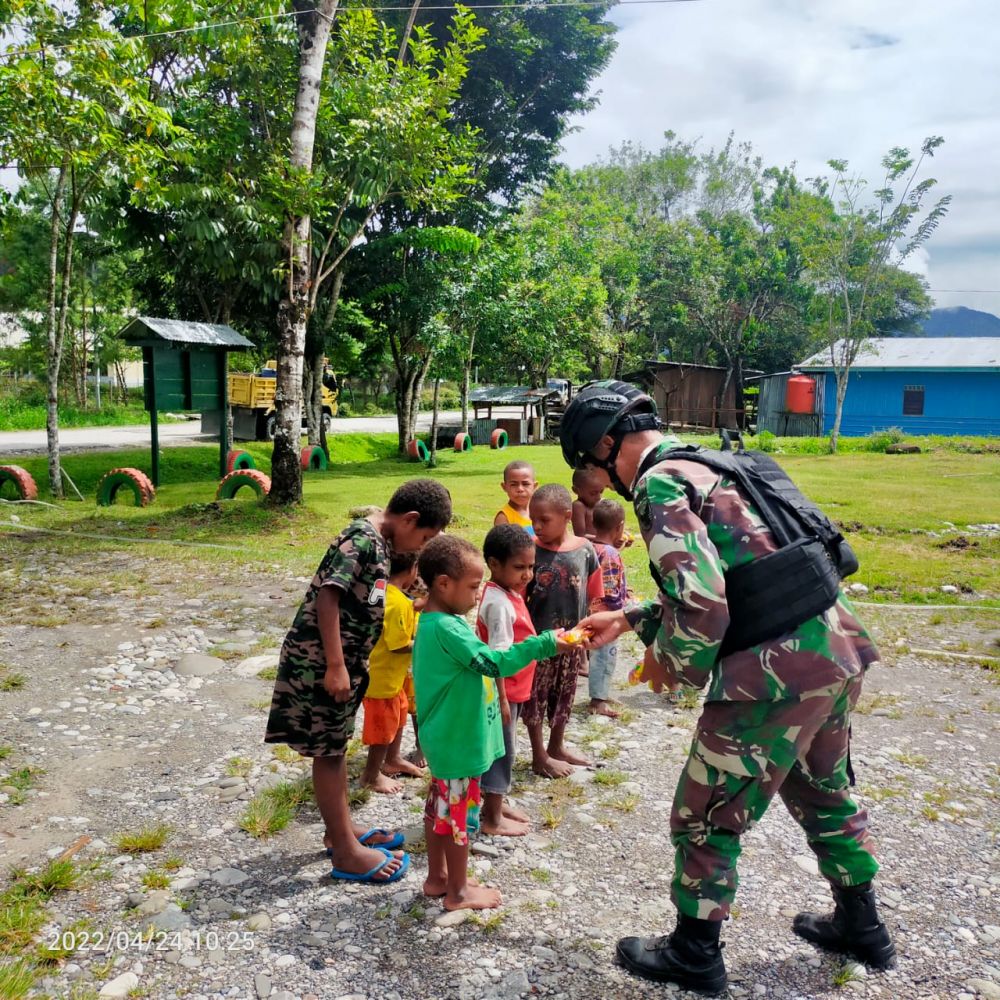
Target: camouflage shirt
696	526
357	564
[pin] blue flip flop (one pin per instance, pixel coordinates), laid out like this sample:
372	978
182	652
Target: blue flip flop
369	876
395	841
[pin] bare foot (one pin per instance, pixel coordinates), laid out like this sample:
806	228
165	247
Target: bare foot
512	812
417	758
550	767
364	859
437	887
505	827
569	757
375	840
384	785
475	897
602	708
397	766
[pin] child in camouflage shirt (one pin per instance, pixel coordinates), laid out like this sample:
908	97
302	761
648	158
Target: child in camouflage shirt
322	671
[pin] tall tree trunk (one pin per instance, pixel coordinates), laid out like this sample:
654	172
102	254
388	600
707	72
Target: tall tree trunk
308	372
52	342
404	406
418	390
432	461
466	378
842	376
314	19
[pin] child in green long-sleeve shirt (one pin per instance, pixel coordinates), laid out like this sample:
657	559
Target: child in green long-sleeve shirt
458	711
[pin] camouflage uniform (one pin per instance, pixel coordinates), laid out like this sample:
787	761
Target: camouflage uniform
776	717
302	714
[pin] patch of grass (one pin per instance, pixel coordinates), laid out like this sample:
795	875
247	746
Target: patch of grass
5	752
842	976
268	673
551	815
260	704
930	812
285	754
156	880
21	780
610	752
626	716
12	682
908	759
358	796
47	955
867	703
221	653
149	838
415	913
172	864
624	803
155	623
271	810
16	980
542	875
896	788
238	767
689	699
490	924
610	777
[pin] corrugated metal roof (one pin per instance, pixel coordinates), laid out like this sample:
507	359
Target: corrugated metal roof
960	353
181	331
509	395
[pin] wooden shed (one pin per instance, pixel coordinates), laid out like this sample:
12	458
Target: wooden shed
689	395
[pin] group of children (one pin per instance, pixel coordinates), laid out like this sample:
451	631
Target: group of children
360	637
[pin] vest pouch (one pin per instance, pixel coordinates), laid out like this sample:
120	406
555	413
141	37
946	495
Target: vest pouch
778	592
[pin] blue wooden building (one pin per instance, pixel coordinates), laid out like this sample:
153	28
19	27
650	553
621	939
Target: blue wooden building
925	385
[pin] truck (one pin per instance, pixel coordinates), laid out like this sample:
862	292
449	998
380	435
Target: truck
251	397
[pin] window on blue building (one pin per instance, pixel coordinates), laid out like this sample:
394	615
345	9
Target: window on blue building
913	400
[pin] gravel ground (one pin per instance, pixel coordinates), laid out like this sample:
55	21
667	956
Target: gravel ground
139	695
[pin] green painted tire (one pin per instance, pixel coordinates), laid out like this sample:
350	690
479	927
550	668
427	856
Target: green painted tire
133	480
498	439
313	457
24	483
463	441
417	450
235	481
239	459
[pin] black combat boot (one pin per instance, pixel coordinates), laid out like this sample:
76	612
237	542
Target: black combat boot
691	957
854	928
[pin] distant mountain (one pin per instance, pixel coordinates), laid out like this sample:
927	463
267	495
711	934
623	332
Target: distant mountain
961	322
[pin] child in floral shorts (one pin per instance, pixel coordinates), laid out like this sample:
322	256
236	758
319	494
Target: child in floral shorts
459	713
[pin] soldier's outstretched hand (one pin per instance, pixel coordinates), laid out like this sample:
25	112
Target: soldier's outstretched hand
603	627
655	673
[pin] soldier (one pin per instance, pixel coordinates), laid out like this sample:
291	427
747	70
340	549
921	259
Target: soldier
776	717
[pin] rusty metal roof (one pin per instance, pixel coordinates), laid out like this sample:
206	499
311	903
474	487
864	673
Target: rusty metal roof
510	395
151	331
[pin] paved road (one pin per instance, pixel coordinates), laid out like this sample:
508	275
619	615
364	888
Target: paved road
137	436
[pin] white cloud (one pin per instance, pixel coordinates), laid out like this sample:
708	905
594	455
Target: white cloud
810	80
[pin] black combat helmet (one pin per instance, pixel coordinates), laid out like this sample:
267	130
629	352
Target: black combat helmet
599	408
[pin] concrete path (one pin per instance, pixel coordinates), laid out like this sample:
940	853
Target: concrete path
137	436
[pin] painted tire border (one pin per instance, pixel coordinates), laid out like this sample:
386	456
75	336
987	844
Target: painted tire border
239	459
312	456
463	441
499	439
24	482
134	479
236	480
417	450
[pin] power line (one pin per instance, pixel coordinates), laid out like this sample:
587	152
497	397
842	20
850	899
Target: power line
546	4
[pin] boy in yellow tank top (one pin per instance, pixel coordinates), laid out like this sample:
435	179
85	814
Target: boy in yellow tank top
519	484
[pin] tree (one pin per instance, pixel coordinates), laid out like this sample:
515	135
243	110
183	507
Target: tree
853	251
74	112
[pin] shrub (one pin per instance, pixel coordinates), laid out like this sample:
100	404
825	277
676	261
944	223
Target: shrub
881	439
766	442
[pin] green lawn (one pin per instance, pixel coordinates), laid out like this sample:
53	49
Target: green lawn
887	504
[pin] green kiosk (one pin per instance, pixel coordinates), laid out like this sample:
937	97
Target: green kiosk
184	368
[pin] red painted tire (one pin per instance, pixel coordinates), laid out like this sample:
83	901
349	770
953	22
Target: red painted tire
498	439
235	481
312	456
137	482
416	449
239	459
24	484
463	442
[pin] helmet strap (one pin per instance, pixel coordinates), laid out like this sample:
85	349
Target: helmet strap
609	466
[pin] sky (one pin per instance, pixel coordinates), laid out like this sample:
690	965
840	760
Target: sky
806	81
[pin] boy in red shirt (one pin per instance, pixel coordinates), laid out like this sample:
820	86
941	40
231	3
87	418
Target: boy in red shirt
503	620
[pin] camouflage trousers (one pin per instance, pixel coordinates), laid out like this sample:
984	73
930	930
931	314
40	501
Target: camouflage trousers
743	754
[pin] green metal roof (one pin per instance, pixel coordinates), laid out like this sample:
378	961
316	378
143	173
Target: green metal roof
149	331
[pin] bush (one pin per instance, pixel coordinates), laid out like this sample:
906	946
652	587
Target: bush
880	440
766	442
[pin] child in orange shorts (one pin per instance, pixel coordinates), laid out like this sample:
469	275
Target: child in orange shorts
386	702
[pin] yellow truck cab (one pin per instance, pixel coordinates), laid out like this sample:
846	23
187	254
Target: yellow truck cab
251	397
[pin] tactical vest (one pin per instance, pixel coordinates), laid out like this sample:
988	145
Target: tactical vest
774	594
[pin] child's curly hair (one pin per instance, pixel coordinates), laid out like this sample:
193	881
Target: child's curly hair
446	555
426	497
504	540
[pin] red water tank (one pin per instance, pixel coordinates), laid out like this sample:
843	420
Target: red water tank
800	395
